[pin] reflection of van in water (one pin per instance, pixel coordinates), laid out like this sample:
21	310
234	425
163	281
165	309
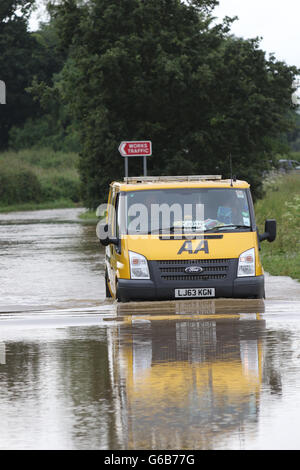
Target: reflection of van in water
203	375
182	237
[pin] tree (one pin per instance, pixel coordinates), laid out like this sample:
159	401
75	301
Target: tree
16	64
161	70
10	10
294	136
50	125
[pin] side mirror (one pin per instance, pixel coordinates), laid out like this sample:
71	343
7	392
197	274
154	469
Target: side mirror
114	241
270	231
103	231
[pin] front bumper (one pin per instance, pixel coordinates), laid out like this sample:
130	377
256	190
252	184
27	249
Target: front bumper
244	287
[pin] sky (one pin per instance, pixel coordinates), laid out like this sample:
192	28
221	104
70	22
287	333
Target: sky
276	21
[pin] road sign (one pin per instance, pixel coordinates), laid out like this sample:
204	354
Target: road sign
142	148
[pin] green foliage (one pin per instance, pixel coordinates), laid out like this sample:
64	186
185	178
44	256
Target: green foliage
293	137
39	176
295	156
161	71
56	187
21	186
52	128
9	9
29	58
42	158
281	202
44	132
17	64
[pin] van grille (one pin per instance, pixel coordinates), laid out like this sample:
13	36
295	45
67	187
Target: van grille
174	270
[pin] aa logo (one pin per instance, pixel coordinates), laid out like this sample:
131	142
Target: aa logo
188	247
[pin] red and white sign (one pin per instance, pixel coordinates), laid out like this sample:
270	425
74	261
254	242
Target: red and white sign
131	148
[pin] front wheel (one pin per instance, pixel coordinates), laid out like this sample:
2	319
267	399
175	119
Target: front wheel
107	291
120	297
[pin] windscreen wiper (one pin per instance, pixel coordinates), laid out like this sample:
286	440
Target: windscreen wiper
222	227
173	229
164	229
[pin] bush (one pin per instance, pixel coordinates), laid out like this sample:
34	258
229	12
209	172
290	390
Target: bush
42	132
281	202
58	186
19	187
38	176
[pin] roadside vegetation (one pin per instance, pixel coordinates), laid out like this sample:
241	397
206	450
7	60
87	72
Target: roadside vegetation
38	179
281	202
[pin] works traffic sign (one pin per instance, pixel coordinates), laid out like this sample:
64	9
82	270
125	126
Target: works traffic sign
132	148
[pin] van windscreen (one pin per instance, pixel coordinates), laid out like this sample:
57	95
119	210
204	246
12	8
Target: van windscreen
185	209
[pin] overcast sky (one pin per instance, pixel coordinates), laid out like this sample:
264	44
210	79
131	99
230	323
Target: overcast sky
277	21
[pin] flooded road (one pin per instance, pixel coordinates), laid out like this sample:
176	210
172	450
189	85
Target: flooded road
79	372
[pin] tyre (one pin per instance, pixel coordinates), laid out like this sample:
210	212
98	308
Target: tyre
120	297
107	291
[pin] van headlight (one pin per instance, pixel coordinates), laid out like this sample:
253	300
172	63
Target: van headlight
246	265
138	266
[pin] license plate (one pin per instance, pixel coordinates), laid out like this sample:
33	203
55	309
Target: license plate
195	292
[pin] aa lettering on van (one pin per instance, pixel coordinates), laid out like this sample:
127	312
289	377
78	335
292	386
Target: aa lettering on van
188	247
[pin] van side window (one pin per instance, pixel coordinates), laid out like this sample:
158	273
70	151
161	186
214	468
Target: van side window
110	207
113	215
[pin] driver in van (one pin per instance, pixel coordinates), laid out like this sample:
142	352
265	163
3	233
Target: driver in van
229	211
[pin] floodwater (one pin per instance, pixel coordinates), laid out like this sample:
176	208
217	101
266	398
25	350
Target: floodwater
79	372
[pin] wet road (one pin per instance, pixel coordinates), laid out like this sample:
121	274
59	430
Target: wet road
77	372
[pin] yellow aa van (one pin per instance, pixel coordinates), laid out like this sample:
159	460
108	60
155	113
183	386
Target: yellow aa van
182	237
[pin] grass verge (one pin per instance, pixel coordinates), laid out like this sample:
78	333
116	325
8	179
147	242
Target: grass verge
89	216
34	206
38	178
281	202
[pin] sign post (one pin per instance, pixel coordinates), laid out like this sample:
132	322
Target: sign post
140	148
